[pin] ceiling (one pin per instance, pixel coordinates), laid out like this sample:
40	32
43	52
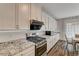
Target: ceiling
61	10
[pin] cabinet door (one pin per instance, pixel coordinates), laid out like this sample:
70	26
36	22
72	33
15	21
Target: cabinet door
55	24
43	20
35	12
54	40
7	16
50	24
39	13
58	37
49	43
23	16
47	24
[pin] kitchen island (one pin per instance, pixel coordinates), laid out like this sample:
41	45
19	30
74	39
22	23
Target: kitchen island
19	47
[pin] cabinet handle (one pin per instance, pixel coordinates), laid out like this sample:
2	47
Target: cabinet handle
17	26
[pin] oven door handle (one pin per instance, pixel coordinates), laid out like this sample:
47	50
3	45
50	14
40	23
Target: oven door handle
41	44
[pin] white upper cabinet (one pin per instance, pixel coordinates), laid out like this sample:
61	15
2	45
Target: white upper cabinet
18	16
44	21
55	25
52	24
49	22
7	16
27	12
23	16
35	12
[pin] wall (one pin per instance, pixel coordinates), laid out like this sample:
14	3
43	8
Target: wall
60	24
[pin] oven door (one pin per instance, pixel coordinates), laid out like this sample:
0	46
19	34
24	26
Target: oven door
41	50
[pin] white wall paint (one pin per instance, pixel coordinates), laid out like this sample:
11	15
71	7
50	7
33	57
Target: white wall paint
60	24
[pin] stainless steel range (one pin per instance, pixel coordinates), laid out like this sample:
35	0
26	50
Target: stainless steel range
40	45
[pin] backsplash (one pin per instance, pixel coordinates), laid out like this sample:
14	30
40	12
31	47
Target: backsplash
8	36
11	36
39	33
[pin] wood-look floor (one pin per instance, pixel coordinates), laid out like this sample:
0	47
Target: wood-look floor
57	50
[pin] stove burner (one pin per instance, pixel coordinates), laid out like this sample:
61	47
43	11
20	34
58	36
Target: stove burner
35	39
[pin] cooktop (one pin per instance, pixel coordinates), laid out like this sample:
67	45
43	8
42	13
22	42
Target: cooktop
35	39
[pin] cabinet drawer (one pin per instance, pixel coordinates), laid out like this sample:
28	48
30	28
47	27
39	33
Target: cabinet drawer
49	46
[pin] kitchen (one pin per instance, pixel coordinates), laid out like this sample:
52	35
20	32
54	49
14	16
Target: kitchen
30	29
25	30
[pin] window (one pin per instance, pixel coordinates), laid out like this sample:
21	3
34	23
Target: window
72	29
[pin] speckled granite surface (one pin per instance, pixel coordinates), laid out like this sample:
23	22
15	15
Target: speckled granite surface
13	47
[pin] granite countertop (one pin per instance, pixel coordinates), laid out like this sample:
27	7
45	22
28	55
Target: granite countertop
47	36
15	46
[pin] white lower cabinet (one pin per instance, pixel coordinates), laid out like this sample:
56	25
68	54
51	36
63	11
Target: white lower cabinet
27	52
51	41
48	47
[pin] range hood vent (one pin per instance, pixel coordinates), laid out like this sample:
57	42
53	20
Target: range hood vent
35	22
36	25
